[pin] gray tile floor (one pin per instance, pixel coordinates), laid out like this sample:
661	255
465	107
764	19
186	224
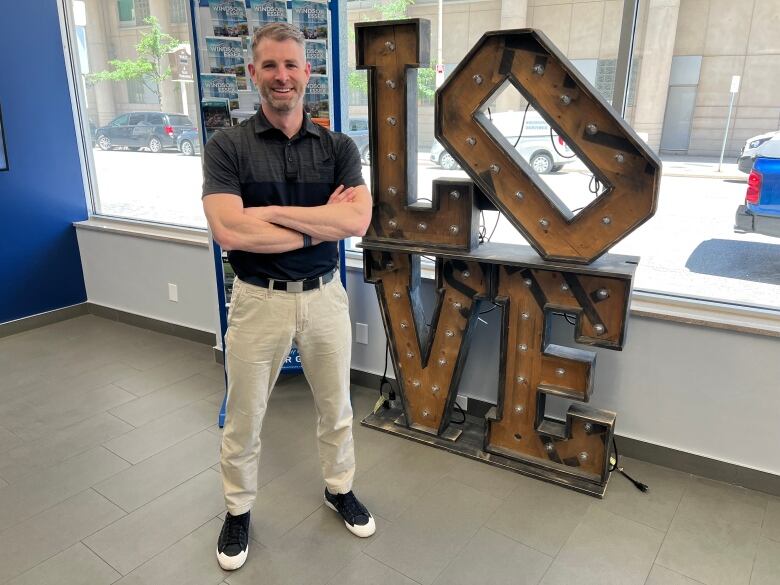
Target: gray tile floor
108	474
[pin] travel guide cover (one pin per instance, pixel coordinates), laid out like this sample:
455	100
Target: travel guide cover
316	103
312	18
317	55
226	55
217	85
228	18
267	11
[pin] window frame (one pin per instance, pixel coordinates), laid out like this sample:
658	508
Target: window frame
733	316
84	140
663	306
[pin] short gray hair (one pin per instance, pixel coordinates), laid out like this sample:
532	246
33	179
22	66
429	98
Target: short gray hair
277	31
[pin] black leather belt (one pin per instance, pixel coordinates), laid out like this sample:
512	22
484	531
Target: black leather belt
291	285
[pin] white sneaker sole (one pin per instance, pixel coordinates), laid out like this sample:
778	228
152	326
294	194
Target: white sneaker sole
232	563
362	531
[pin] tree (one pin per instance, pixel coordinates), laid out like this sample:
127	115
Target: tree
426	76
150	68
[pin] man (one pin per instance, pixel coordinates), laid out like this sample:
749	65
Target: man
274	195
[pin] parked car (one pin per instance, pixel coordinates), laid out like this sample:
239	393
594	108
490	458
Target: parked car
156	131
747	153
358	131
761	212
545	152
188	142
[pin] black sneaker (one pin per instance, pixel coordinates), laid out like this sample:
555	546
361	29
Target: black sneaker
356	518
233	543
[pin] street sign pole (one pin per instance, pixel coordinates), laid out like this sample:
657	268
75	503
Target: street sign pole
734	90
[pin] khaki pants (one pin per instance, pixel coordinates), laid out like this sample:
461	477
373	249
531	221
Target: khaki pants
262	324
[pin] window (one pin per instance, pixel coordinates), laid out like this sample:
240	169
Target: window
179	11
176	120
686	60
126	11
134	126
139	93
133	12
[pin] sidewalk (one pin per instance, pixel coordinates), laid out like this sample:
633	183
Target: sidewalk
694	167
702	167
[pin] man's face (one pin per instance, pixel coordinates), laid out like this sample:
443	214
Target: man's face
280	72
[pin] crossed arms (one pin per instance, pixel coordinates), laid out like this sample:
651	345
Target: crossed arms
273	228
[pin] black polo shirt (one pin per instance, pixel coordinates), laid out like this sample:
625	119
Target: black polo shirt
257	161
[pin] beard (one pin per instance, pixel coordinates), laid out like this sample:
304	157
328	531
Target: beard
281	104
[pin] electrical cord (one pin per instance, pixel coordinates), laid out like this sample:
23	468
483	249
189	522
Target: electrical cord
460	409
555	148
495	225
642	487
384	380
482	228
522	124
594	186
570	319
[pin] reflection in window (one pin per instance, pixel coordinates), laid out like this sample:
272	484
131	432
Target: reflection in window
134	113
139	93
685	61
179	12
132	12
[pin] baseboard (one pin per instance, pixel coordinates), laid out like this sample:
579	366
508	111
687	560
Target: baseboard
181	331
35	321
649	452
42	319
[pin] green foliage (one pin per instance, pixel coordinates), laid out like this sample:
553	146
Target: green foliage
426	82
358	80
393	9
150	68
426	76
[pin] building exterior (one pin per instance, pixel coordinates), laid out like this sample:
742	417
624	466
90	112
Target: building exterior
685	55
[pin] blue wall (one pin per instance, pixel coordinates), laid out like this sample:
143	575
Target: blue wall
42	194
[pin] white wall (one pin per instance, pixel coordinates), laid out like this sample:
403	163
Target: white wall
132	274
705	391
709	392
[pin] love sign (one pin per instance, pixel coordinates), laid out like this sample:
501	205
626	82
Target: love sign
566	270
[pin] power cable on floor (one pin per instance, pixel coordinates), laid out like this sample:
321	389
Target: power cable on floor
615	466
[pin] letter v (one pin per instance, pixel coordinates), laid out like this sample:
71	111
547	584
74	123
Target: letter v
428	362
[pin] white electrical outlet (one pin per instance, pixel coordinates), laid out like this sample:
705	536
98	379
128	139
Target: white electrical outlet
463	402
361	333
173	292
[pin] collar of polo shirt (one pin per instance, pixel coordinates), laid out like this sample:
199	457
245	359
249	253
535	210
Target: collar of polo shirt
263	125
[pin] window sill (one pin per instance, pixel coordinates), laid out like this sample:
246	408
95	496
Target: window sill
149	231
690	311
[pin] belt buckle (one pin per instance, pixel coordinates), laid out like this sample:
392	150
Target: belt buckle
295	286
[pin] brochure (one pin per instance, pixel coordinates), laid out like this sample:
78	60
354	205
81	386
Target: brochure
228	18
312	18
217	85
226	55
317	55
316	103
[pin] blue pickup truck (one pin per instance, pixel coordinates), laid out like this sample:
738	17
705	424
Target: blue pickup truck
761	212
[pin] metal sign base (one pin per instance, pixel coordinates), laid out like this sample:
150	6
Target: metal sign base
469	442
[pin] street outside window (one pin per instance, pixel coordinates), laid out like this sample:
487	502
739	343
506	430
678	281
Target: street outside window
697	88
